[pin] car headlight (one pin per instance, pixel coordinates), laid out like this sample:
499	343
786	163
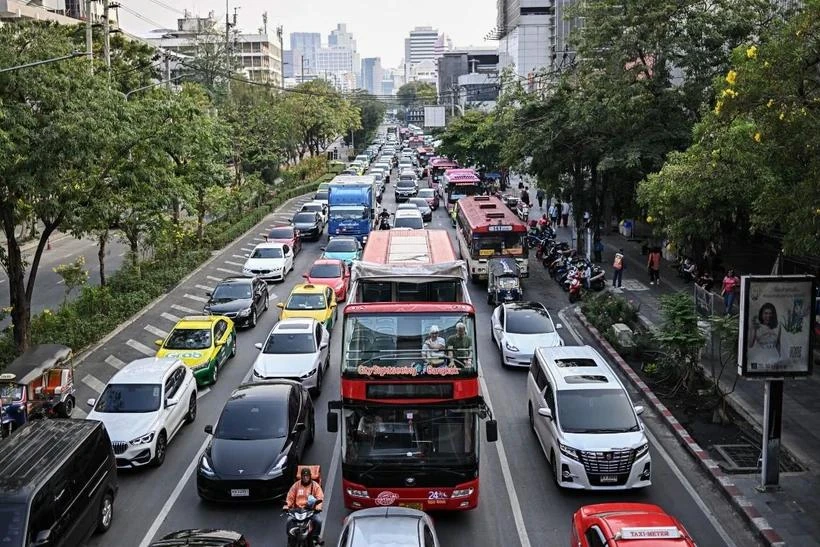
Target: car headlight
278	467
246	269
568	451
200	366
308	374
144	439
205	467
510	347
641	450
245	313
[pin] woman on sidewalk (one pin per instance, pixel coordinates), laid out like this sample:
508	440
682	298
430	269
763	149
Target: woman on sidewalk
654	265
731	284
618	269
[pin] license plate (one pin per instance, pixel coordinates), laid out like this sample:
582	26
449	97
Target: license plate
417	506
240	493
609	478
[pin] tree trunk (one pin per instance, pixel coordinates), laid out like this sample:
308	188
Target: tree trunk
102	239
200	215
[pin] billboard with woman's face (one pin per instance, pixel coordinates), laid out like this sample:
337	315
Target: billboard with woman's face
776	326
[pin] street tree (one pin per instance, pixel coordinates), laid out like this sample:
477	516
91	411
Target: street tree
372	113
474	139
416	93
320	114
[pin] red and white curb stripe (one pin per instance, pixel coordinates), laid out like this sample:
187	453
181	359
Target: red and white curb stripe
741	502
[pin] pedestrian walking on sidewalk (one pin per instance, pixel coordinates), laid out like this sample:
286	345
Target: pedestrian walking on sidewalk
731	285
654	265
618	268
525	196
565	213
539	195
554	210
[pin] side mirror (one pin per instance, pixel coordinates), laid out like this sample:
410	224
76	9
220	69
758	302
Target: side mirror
559	326
333	306
332	422
300	426
208	293
545	412
43	538
305	276
639	409
258	345
247	255
91	402
322	248
492	431
280	305
158	342
209	429
171	402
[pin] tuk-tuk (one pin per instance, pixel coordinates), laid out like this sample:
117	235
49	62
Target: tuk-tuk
39	383
503	281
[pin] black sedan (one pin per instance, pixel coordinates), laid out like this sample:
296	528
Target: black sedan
258	442
202	538
243	299
309	224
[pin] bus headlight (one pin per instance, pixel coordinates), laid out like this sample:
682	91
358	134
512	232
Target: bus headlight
462	492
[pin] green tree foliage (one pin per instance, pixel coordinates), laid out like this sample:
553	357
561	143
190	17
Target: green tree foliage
372	113
473	139
73	274
416	94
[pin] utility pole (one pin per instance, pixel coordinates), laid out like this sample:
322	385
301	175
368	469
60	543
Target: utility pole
280	33
452	96
168	70
228	44
107	38
89	37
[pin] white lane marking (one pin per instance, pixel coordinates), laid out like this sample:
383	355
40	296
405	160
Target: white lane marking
96	385
240	257
204	288
155	331
140	347
212	278
247	249
240	264
115	362
183	309
263	234
203	392
60	282
518	516
195	298
331	477
2	281
259	239
78	413
656	444
232	272
170	317
569	327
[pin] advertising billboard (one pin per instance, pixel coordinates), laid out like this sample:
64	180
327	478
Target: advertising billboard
434	116
776	326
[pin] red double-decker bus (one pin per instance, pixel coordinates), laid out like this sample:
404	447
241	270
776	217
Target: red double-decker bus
460	183
411	406
487	228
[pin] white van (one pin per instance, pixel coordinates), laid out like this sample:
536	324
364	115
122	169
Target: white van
585	421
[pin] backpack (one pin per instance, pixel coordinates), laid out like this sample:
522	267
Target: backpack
618	264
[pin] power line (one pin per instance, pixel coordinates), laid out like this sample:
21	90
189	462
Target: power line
138	15
168	7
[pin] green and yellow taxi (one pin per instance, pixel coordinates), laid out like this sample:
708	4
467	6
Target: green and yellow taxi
310	301
204	343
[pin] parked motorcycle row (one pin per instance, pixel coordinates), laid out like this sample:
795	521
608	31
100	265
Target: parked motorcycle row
573	272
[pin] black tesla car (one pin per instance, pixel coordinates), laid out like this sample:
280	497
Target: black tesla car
258	442
309	224
243	299
202	538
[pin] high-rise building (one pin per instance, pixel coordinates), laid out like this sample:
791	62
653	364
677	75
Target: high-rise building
372	75
443	43
341	37
334	59
308	43
419	46
294	63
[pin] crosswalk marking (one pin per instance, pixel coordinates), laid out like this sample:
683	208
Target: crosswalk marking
259	239
234	263
212	278
263	234
232	272
78	413
169	316
203	392
183	309
195	298
247	249
140	347
240	257
93	383
155	331
115	362
205	288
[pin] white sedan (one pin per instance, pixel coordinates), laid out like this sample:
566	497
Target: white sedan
316	207
296	349
520	327
269	261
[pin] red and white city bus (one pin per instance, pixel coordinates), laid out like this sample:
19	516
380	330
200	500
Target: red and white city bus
459	184
487	228
437	166
409	411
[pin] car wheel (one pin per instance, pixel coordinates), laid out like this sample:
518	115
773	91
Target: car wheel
318	389
233	349
215	374
311	430
267	296
65	409
106	516
160	449
555	473
191	415
252	322
532	418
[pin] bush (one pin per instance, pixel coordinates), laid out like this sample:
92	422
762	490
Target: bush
308	169
605	309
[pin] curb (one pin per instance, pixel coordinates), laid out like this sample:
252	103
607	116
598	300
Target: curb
84	354
741	503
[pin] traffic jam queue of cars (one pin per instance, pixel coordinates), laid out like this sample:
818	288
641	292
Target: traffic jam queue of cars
576	405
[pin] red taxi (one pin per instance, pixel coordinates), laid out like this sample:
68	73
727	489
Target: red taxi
286	234
332	273
627	524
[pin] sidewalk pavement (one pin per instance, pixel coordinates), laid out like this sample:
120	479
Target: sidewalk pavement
31	244
794	510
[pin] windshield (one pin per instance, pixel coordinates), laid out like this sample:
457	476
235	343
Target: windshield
321	195
252	420
231	291
304	218
427	193
313	208
306	302
400	344
414	222
421	203
349	212
267	252
498	244
337	245
462	191
405	435
325	271
12	524
189	339
406	181
129	398
595	411
10	393
281	233
529	321
296	342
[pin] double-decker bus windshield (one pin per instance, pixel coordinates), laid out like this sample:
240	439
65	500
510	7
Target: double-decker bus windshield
376	434
423	345
460	191
497	244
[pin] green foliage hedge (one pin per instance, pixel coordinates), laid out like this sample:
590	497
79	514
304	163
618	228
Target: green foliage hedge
99	310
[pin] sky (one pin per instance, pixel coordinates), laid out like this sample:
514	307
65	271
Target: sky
378	26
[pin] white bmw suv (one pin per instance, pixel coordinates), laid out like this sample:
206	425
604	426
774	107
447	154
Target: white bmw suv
143	406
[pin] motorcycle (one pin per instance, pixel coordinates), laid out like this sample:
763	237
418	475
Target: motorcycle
300	531
575	287
384	223
522	210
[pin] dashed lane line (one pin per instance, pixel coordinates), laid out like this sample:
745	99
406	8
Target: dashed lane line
195	298
140	347
213	278
115	362
170	317
205	288
96	385
240	264
240	257
184	309
155	331
202	392
231	272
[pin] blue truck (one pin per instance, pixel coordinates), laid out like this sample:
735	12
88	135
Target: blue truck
352	206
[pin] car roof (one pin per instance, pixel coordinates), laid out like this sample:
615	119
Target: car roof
386	526
643	516
525	306
427	190
321	261
406	207
313	203
36	360
147	370
198	537
277	390
342	238
578	367
408	213
295	324
308	288
196	322
269	245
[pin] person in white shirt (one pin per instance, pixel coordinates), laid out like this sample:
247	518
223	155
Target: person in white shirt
433	348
